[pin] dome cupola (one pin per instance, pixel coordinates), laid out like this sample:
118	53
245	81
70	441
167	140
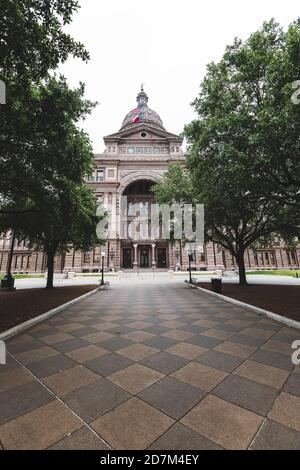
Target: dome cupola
142	114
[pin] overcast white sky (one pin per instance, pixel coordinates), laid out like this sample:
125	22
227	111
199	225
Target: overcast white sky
164	43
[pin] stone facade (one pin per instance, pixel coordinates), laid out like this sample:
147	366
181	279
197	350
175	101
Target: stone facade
134	158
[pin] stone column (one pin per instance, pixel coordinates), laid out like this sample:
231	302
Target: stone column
113	229
135	260
153	263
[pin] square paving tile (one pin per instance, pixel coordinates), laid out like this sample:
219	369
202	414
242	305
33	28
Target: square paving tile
83	439
248	340
133	425
87	353
236	349
164	362
173	397
138	336
218	333
179	335
137	351
278	346
135	378
186	350
274	436
226	424
27	357
275	359
70	379
22	400
262	373
239	323
69	327
179	437
251	395
286	411
139	325
108	364
51	365
23	346
40	428
70	345
260	332
292	385
13	378
199	375
204	341
95	399
99	337
115	343
220	361
160	342
57	338
172	324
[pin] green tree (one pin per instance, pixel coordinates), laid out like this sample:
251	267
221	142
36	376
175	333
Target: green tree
67	219
32	44
249	186
56	209
33	40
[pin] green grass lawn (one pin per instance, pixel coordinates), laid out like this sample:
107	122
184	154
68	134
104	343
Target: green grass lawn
24	276
277	272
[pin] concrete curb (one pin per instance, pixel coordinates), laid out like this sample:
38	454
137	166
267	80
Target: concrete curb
260	311
33	321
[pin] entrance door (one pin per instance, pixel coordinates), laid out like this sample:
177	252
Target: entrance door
144	257
127	258
161	257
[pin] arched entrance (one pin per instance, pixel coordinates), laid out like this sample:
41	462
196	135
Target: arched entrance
138	249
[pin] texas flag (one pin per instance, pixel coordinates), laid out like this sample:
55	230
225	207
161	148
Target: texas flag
137	115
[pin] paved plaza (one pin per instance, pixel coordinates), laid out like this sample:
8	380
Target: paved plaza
151	365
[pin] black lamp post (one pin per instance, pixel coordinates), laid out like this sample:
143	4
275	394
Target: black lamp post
102	283
190	271
8	281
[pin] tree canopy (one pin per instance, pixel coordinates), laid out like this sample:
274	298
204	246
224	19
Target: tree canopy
243	148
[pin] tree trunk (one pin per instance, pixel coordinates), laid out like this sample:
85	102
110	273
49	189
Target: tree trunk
242	270
50	265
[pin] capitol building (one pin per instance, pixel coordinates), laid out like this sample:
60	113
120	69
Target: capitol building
134	158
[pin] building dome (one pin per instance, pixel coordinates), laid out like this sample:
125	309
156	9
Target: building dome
142	113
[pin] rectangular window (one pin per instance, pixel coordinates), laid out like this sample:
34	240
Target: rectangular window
139	150
110	173
100	175
91	178
292	257
156	150
97	254
148	149
255	258
86	258
130	150
29	262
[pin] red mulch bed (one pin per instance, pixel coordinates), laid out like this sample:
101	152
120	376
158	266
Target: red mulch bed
23	304
284	300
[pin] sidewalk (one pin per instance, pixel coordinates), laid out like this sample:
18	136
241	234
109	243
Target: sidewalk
151	365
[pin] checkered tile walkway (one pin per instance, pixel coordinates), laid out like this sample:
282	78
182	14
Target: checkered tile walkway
151	366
